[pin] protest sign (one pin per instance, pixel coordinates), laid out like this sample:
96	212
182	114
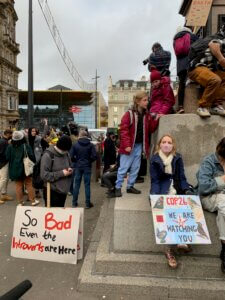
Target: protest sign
199	12
80	241
179	220
49	234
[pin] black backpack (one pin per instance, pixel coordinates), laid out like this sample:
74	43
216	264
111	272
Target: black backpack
37	182
197	50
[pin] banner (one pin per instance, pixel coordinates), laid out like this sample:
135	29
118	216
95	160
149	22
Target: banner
49	234
179	220
199	12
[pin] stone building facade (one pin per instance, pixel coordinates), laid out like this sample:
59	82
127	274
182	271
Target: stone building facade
120	97
9	71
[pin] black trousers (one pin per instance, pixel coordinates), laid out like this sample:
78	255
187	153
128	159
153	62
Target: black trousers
109	179
57	199
182	84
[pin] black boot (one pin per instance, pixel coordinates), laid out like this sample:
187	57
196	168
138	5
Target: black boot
132	190
118	193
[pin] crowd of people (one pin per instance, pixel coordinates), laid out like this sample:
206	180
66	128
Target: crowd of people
64	158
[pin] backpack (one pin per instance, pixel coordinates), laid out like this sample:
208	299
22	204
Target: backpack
37	181
197	49
182	45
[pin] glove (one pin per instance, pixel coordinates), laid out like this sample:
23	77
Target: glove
145	62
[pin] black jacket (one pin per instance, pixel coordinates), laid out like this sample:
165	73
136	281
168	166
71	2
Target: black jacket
3	146
183	62
109	152
83	153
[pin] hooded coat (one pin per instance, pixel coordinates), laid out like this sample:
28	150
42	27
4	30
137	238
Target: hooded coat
83	153
162	98
183	62
52	170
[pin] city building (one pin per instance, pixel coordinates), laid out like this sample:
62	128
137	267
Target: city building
55	104
213	12
9	71
120	97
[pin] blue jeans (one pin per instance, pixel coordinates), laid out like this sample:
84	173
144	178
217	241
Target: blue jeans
79	173
132	163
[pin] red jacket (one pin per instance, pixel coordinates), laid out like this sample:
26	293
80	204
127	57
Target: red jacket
162	98
128	131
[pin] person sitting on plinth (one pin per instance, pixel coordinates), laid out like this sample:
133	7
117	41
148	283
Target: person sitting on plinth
211	188
168	177
207	67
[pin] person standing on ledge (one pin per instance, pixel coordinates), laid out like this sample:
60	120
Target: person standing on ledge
135	128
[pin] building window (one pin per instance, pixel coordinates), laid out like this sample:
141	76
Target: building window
126	85
115	97
134	84
117	84
126	97
115	121
12	103
115	109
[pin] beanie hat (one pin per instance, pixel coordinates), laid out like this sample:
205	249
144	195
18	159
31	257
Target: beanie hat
17	135
64	143
155	75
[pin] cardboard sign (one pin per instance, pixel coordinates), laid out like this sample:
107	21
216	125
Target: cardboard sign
199	12
49	234
179	220
80	242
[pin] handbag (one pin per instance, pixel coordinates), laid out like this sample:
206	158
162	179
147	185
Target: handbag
28	164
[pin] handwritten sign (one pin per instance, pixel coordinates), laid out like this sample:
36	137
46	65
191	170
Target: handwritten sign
199	12
49	234
179	220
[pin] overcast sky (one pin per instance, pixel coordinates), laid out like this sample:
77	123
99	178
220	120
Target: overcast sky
113	36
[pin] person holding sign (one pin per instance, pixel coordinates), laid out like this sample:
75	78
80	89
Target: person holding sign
211	188
56	169
168	177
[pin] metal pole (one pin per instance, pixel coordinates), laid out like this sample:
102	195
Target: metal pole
60	109
30	67
96	98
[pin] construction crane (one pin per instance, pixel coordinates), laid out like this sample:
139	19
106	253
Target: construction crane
61	47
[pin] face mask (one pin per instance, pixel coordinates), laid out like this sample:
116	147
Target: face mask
166	148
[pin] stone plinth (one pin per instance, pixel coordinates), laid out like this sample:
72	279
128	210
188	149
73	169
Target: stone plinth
192	95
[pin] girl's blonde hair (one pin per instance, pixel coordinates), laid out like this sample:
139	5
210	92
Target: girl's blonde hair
173	142
137	97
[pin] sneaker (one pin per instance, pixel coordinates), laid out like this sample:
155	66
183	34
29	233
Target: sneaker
118	193
2	202
6	197
218	110
132	190
75	205
222	257
20	204
203	112
180	110
36	202
90	205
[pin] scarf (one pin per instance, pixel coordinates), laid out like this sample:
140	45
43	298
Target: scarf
167	161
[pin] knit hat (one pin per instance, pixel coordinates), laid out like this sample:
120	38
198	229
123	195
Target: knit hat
64	143
155	75
17	135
